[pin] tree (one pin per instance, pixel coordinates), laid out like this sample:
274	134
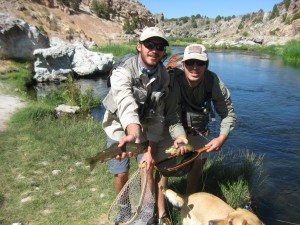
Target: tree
275	12
218	18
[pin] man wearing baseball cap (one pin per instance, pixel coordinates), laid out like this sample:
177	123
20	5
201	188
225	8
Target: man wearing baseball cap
135	106
188	107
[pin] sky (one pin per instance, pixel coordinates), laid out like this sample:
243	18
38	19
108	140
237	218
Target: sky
209	8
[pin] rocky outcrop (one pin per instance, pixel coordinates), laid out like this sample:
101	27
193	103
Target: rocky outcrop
260	27
121	11
19	39
61	60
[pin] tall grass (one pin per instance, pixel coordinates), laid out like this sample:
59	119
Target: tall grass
291	52
117	50
16	75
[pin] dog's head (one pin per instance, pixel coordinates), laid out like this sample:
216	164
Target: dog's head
238	217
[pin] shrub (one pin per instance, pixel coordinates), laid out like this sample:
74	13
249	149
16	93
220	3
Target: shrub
129	27
100	9
287	4
218	18
194	24
275	12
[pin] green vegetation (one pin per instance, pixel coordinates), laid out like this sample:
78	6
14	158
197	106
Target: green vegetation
275	12
131	24
74	4
100	9
291	52
118	50
286	4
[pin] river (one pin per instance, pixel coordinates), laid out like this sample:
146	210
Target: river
266	96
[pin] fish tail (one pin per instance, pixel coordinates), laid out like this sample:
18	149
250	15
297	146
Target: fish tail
92	163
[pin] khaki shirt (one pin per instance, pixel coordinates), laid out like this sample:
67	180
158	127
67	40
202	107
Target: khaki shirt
121	92
221	101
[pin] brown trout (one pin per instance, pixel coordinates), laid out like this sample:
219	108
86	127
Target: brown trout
172	149
113	151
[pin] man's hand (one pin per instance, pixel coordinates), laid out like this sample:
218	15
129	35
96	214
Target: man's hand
180	148
122	142
216	143
147	157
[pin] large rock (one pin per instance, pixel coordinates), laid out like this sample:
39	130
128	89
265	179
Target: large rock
57	62
18	39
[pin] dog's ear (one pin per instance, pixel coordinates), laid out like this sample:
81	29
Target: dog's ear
216	222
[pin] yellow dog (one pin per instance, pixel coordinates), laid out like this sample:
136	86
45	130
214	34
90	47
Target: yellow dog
206	209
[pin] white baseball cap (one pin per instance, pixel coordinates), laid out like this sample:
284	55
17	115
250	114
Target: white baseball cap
195	51
150	32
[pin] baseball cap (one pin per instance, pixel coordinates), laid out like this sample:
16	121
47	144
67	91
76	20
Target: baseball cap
195	51
150	32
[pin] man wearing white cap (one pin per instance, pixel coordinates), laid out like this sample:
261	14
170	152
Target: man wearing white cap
188	107
135	104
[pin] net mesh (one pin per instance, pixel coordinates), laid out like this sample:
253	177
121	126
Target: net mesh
135	202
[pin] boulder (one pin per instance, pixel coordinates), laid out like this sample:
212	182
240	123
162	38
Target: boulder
18	39
57	62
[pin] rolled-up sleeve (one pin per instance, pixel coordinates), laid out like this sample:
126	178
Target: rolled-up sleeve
224	106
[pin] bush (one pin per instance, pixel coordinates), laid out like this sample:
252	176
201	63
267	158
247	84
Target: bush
194	25
275	12
74	4
218	18
100	9
287	4
129	27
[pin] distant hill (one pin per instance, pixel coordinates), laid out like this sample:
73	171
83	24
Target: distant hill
104	21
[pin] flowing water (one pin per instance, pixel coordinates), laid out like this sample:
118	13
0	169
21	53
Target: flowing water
266	96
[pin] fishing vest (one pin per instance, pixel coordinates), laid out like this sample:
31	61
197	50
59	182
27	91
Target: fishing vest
148	101
195	117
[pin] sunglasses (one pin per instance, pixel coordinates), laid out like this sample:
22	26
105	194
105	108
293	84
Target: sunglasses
150	45
192	62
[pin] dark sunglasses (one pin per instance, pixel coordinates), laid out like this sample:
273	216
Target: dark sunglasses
150	45
192	62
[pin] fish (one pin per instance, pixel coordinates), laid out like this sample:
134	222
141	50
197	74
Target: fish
172	149
112	151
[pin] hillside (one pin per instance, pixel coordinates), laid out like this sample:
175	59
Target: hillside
57	20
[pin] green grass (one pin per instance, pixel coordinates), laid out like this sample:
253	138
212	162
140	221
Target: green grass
117	50
291	52
16	76
31	150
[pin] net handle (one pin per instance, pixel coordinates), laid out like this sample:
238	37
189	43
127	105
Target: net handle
199	151
140	205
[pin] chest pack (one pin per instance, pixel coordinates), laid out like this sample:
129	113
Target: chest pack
148	101
195	117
